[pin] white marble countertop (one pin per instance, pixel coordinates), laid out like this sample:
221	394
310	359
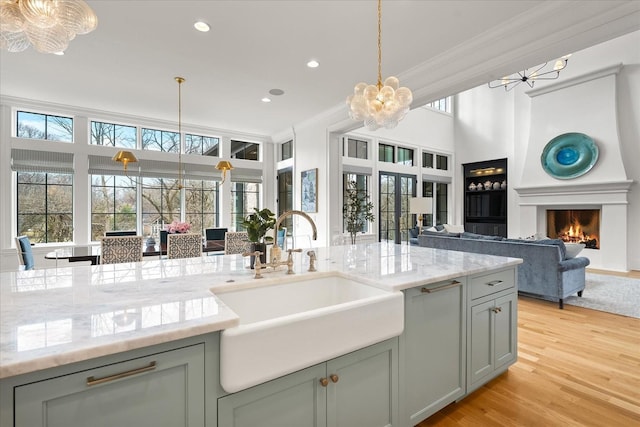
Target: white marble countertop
52	317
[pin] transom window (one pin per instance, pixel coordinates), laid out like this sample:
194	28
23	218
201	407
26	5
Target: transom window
160	140
443	104
386	153
204	145
405	156
111	134
45	206
287	150
244	150
44	126
356	148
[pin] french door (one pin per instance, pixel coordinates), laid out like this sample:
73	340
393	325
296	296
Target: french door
394	218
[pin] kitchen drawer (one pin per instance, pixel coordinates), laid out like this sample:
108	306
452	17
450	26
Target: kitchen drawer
491	283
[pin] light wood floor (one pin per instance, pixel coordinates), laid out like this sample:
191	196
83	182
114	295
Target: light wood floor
576	367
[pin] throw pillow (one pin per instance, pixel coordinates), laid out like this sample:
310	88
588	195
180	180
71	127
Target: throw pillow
413	232
454	228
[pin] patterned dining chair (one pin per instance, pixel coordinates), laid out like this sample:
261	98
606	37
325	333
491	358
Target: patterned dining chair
184	245
117	249
236	242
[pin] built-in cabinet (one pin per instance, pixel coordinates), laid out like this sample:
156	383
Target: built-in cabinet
432	348
492	326
485	197
357	389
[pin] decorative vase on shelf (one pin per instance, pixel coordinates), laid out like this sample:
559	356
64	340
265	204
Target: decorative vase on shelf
472	187
496	185
503	185
487	185
479	186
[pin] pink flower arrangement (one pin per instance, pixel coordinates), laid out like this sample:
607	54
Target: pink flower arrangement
178	227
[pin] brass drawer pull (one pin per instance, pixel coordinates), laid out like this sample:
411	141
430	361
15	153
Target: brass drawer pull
495	282
497	309
334	378
95	381
440	288
324	382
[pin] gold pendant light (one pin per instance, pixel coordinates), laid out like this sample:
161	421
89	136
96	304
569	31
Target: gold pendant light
180	80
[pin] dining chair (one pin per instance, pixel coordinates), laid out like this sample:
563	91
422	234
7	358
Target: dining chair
25	254
118	249
184	245
236	242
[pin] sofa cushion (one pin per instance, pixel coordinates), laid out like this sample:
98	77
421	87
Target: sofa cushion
557	242
451	228
467	235
413	232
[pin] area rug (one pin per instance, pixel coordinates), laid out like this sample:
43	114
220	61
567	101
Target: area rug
613	294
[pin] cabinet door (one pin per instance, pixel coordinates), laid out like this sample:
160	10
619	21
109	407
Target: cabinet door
505	330
481	341
158	390
433	348
363	387
295	400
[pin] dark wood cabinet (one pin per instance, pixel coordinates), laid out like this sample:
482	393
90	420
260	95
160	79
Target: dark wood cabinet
485	197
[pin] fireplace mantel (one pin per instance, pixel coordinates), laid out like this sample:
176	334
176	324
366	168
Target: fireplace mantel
587	189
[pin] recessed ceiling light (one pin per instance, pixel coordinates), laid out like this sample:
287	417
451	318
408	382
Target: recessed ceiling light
313	64
265	99
276	92
201	26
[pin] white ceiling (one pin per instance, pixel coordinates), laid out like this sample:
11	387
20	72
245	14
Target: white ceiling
436	48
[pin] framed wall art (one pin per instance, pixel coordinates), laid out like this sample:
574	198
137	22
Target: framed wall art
309	186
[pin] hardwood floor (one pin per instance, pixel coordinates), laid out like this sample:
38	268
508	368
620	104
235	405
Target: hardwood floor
576	367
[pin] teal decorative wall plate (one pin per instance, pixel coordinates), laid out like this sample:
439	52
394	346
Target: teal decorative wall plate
569	155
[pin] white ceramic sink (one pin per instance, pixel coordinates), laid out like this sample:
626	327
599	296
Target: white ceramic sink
288	326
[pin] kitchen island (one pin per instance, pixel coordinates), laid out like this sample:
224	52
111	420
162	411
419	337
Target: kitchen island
60	323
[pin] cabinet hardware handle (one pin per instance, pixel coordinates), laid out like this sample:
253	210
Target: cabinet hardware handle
495	282
334	378
496	309
95	381
440	288
324	382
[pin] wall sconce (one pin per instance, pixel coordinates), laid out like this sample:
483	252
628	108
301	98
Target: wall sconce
125	157
224	166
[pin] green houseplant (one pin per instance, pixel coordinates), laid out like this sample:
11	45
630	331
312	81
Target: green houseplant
257	224
357	210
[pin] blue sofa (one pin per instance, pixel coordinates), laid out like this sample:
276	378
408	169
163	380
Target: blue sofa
545	273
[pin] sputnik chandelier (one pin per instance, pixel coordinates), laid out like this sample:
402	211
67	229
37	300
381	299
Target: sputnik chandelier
531	75
48	25
382	104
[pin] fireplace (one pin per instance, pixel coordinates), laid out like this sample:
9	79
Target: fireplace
575	226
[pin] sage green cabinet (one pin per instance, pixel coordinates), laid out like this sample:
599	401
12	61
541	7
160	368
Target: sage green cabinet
433	349
357	389
492	327
163	389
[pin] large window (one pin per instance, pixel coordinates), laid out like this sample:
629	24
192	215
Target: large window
201	204
362	188
160	140
394	217
114	135
244	150
356	149
439	191
45	206
113	204
44	126
244	197
160	204
285	196
203	145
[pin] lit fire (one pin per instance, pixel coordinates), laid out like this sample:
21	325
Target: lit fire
575	234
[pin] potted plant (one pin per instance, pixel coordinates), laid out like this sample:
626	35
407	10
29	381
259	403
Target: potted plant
357	210
257	224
